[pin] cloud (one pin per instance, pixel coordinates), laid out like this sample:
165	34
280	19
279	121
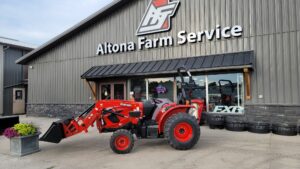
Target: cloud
37	21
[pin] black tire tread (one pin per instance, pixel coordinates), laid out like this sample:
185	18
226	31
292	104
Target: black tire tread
235	123
235	118
116	134
216	119
284	129
168	126
235	126
259	127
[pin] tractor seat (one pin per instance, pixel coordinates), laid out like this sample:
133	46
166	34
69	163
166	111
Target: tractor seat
149	108
159	106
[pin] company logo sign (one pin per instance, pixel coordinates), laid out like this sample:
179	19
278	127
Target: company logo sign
157	17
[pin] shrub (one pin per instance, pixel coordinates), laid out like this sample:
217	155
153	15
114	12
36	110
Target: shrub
24	129
20	129
10	133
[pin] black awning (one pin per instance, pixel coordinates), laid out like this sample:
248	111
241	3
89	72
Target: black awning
228	61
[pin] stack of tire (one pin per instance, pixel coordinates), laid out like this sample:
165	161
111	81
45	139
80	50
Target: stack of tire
259	124
235	123
203	118
285	129
215	120
284	125
230	122
256	124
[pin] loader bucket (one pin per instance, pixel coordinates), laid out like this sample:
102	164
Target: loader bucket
55	133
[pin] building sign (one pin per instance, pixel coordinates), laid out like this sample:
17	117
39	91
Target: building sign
157	19
229	109
182	38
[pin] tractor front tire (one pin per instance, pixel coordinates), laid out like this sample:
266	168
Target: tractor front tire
122	141
182	131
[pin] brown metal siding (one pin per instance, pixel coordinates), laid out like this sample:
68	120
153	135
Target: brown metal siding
271	29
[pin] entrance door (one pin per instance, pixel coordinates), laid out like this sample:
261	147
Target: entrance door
113	91
18	101
105	90
119	91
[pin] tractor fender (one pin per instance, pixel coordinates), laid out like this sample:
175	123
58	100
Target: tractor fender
163	116
201	107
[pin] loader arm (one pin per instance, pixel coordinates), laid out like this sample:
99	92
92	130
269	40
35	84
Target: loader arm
101	113
82	123
68	127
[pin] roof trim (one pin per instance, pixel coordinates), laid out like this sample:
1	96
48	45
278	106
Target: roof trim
73	30
16	43
208	63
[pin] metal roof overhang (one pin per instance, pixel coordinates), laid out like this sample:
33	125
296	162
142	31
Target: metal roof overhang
219	62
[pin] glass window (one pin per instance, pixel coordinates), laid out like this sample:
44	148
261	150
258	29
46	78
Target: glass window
161	88
19	95
105	92
119	91
198	93
225	93
138	87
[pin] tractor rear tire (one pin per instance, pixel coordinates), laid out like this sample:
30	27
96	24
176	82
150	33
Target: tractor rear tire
182	131
122	141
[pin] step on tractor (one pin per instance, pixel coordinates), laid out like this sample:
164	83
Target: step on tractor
178	122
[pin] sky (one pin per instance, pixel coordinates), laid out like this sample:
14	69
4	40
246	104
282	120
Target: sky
37	21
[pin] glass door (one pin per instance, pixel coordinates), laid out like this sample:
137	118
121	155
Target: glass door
105	90
113	91
119	91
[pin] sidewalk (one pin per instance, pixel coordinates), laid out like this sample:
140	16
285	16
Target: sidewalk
216	149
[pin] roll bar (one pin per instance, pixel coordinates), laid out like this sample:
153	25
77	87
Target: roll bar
184	84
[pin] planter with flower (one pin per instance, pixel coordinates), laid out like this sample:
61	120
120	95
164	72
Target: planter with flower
24	139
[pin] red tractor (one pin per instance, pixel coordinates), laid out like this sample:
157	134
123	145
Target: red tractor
158	118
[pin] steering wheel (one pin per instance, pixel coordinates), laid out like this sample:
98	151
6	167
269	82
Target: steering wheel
156	101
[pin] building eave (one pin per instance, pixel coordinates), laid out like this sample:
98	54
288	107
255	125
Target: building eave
16	44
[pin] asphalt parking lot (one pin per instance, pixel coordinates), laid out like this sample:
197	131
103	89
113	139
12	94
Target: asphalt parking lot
216	149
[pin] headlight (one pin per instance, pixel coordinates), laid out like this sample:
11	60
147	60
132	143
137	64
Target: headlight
194	111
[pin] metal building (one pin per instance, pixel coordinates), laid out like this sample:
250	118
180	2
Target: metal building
13	77
244	53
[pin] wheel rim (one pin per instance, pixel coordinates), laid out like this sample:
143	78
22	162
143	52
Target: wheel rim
122	142
183	132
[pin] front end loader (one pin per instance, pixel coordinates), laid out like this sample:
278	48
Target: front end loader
157	118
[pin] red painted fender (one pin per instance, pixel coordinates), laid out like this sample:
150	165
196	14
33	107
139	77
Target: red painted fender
163	116
201	107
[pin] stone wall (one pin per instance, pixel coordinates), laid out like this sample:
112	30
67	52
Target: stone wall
273	113
269	113
56	110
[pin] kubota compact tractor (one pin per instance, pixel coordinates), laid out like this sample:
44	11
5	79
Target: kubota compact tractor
158	118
